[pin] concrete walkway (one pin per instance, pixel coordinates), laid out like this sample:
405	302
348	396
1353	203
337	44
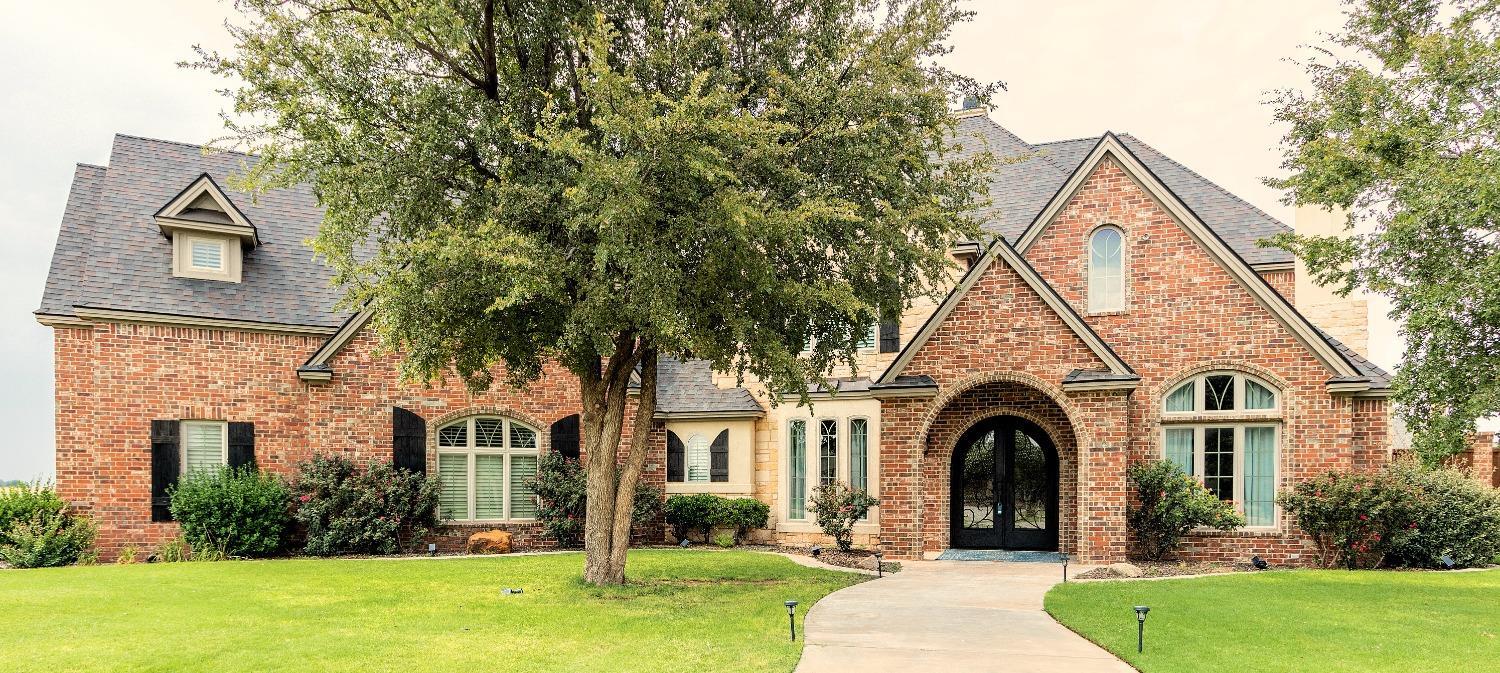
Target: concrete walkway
949	617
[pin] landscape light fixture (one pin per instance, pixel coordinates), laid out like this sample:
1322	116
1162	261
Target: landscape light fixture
684	543
432	549
1259	563
816	550
791	617
1448	562
1140	627
879	567
1064	556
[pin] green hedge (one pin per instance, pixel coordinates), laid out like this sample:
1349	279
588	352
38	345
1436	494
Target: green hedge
699	513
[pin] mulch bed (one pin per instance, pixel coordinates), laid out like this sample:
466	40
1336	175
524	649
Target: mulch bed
861	559
1171	569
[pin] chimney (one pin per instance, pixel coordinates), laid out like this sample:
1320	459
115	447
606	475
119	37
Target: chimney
1345	318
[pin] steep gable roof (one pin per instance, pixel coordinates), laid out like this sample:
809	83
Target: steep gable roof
1347	377
1028	175
111	254
1117	373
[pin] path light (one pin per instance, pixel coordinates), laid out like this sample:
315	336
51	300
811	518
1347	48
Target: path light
1140	628
791	617
1064	556
879	568
816	550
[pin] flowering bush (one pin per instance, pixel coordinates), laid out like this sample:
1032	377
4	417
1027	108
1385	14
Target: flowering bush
561	486
380	510
837	508
1456	517
1168	504
233	512
1356	519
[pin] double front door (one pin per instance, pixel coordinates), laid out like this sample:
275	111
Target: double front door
1005	487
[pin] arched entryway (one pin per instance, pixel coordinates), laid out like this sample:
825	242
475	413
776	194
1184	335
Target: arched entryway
1005	487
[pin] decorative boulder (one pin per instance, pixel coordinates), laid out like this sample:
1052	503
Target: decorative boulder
1125	569
489	542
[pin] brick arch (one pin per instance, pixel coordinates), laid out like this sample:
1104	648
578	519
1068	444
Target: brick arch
544	440
987	396
972	381
1241	366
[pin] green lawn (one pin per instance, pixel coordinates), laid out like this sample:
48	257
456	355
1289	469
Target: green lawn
683	611
1323	621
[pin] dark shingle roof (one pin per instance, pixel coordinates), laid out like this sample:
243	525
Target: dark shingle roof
111	254
688	387
1029	175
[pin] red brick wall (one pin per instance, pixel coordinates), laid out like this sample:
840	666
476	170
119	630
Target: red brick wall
1285	283
113	380
1185	314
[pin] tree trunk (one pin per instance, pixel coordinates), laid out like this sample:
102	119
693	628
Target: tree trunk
604	392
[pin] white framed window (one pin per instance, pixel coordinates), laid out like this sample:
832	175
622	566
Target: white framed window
697	459
1222	428
859	453
206	254
1106	270
828	451
485	464
796	474
871	339
205	445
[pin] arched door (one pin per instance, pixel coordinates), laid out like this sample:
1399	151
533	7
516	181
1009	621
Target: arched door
1004	486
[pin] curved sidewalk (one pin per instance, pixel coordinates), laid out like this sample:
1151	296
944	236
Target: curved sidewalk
952	617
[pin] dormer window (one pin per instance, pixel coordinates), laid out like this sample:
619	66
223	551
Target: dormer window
209	233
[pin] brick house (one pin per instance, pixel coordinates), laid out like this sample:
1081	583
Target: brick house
1123	311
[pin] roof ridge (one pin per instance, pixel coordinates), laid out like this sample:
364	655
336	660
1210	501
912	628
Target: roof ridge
1207	181
180	143
1069	140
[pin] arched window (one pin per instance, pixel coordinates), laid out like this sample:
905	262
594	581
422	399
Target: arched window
1106	271
486	465
697	458
1224	429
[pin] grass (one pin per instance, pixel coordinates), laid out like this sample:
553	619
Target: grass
682	611
1326	621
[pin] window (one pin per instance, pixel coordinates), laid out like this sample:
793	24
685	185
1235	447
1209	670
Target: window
697	458
871	339
859	450
485	465
828	451
205	445
1106	271
796	469
206	255
1221	428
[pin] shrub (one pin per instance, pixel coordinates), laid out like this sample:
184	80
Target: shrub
38	531
693	513
561	486
382	509
1456	517
1168	504
174	550
724	540
233	512
837	508
743	514
1355	519
127	555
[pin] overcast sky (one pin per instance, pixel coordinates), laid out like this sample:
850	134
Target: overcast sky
1189	77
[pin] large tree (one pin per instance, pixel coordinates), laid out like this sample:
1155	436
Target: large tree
602	183
1401	128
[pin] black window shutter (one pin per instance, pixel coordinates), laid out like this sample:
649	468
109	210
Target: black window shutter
166	465
409	440
718	458
676	457
564	435
890	336
242	445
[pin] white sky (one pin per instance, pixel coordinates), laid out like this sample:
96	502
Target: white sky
1189	77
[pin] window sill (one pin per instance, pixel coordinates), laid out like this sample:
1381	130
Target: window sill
1258	531
1091	314
486	522
718	487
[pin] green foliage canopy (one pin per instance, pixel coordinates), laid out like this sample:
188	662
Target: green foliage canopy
1401	128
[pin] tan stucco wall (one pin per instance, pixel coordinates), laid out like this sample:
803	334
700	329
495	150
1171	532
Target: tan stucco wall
741	458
